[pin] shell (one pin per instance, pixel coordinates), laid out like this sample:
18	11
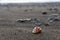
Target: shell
36	30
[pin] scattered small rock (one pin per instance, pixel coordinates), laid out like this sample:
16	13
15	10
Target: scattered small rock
50	9
25	10
46	24
44	12
23	20
36	30
55	9
54	15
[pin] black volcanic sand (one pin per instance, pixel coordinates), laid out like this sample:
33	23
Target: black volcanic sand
12	30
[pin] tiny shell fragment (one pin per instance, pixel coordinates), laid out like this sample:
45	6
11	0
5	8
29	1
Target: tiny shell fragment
36	30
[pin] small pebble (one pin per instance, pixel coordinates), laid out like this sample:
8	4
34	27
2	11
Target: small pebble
36	30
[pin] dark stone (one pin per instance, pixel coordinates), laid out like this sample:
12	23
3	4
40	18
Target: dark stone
46	24
25	10
44	12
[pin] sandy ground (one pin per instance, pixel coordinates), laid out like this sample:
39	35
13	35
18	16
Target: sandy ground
11	30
